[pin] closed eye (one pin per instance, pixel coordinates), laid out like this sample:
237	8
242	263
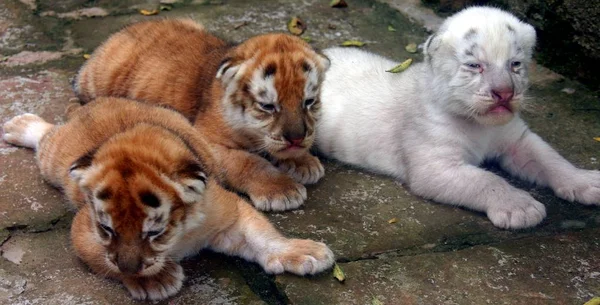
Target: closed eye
309	102
154	233
270	108
108	230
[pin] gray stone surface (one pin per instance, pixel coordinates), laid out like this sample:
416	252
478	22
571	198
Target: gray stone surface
432	254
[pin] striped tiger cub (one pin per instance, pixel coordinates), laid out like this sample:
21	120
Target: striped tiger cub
257	103
140	178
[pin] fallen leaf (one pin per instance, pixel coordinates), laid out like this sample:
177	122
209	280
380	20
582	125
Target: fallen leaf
149	13
353	43
13	253
331	26
338	3
391	28
376	301
296	26
165	7
597	139
594	301
3	59
307	39
239	25
393	220
401	67
87	56
568	90
411	48
338	273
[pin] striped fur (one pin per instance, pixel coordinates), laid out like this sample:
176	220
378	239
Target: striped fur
257	98
139	176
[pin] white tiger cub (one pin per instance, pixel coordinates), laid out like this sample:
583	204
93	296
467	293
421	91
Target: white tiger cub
433	124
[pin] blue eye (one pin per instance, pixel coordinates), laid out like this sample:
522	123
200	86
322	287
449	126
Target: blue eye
515	64
474	66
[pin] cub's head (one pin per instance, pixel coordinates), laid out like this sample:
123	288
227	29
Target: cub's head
138	213
479	58
271	89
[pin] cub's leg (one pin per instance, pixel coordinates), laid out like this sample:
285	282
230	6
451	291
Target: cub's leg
26	130
167	282
306	169
253	238
268	188
454	182
532	159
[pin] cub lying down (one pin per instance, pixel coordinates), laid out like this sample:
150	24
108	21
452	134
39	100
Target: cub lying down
140	177
433	124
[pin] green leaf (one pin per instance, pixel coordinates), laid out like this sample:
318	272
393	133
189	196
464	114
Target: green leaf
401	67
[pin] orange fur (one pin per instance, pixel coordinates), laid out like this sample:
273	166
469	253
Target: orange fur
224	89
139	176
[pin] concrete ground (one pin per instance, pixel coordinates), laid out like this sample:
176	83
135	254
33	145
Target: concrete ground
432	254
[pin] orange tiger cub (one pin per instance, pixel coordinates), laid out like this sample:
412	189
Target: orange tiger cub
139	176
257	103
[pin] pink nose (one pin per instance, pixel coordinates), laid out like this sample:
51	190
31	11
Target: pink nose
502	96
296	142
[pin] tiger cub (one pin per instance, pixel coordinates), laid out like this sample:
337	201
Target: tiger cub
139	176
255	102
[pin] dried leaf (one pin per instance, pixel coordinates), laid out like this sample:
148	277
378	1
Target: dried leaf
391	28
3	59
239	25
393	220
411	48
165	7
87	56
338	273
376	301
338	3
307	39
149	12
597	139
594	301
401	67
296	26
353	43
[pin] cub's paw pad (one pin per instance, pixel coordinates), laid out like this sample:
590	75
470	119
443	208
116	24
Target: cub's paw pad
301	256
25	130
584	188
306	170
517	213
156	287
279	197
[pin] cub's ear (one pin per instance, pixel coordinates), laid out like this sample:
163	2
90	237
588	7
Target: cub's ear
323	60
230	70
431	45
528	38
80	165
192	182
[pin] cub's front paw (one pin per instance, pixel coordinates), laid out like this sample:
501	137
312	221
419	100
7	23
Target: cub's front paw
280	194
517	212
160	286
25	130
300	256
306	169
583	187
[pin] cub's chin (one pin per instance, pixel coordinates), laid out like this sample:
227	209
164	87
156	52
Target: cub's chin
496	114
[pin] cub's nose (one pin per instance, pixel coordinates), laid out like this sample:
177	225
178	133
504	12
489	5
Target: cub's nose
129	264
502	95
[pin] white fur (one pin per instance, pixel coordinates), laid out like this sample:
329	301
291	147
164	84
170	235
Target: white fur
26	130
428	126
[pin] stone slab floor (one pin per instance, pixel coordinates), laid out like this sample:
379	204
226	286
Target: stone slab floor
433	254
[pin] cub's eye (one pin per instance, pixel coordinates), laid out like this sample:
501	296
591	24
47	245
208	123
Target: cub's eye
154	233
515	64
267	107
309	102
474	66
108	230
